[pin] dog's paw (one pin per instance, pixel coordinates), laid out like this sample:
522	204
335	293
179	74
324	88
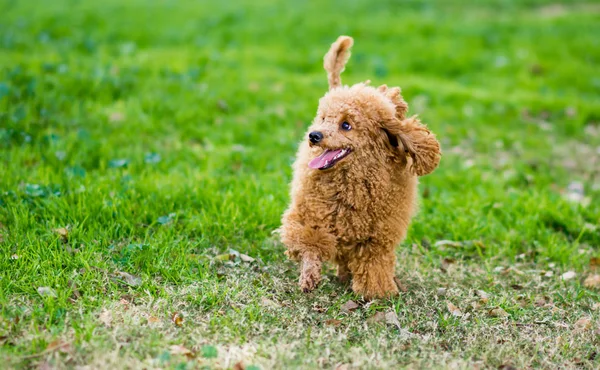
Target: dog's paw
343	273
344	278
311	274
309	283
373	290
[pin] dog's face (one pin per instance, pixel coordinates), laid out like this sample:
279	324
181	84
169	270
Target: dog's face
349	121
361	123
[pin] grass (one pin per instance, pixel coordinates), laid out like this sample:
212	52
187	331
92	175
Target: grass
142	141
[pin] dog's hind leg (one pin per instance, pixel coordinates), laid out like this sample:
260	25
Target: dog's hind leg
343	272
372	268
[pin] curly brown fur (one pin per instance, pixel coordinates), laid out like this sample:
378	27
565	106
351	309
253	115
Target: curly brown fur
355	210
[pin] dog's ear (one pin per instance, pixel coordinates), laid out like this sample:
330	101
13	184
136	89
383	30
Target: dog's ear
417	142
393	93
335	60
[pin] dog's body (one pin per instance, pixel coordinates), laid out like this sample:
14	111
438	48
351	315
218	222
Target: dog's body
355	182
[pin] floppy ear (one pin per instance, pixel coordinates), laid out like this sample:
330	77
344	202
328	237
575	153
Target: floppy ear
417	142
335	60
393	93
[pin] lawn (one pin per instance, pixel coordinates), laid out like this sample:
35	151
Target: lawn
146	151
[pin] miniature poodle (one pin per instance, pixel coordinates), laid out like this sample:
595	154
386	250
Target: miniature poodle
355	182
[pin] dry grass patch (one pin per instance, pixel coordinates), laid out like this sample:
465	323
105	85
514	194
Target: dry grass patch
461	316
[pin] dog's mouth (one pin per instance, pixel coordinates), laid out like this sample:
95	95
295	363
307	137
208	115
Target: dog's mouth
329	158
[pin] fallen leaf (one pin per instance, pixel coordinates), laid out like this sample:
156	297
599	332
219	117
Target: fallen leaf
555	309
246	258
63	232
58	345
483	296
318	308
476	305
349	306
540	301
342	367
106	318
558	340
453	309
446	263
596	306
45	291
594	262
513	269
400	285
269	303
568	275
177	349
523	300
378	317
45	366
506	367
449	243
224	257
239	366
391	318
177	319
592	281
441	291
498	312
333	322
75	293
583	324
64	347
129	279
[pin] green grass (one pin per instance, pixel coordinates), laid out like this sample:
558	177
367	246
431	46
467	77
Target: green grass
160	136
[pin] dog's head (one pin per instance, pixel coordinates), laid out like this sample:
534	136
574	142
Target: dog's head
353	123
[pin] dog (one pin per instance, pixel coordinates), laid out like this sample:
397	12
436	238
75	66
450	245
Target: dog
354	188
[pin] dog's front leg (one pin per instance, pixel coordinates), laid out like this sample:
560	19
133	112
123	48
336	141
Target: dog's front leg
310	276
308	244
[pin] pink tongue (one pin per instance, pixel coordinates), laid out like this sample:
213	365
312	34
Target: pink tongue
324	159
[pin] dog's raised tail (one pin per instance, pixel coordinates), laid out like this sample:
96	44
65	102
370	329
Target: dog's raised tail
336	59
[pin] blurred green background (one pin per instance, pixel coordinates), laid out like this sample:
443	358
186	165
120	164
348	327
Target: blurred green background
161	133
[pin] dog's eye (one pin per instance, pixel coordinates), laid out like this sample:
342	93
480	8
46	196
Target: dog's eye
346	126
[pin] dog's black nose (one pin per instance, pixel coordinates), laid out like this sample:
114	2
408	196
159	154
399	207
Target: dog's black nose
315	137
